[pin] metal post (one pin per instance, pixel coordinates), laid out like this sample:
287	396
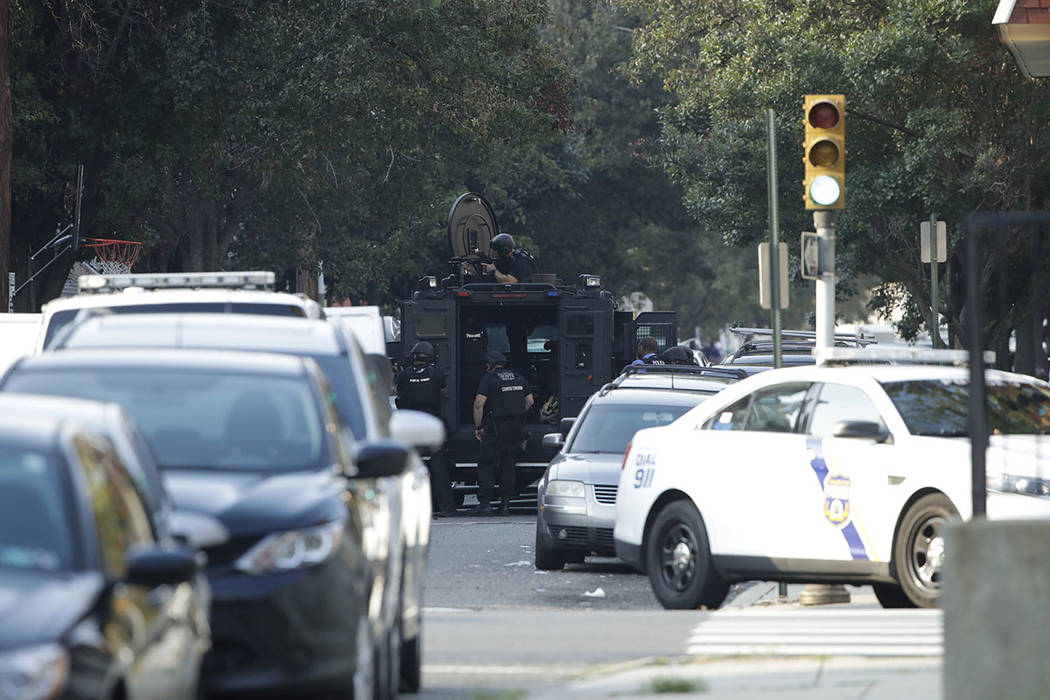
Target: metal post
824	222
975	344
935	335
774	237
774	255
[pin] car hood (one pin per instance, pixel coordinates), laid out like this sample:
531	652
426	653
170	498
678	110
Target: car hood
250	503
588	468
40	607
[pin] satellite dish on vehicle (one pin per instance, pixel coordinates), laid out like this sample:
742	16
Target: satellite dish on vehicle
471	226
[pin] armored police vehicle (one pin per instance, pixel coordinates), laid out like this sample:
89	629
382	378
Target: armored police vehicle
566	339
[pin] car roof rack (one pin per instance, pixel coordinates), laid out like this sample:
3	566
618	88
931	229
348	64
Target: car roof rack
684	371
896	356
861	338
107	284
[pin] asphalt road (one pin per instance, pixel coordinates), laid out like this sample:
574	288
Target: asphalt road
494	625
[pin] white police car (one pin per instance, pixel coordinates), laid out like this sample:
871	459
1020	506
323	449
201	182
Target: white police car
826	474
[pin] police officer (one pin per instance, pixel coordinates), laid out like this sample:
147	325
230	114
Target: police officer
510	266
677	355
499	412
648	347
421	386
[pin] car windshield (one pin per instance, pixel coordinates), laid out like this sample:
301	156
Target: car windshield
61	319
939	407
608	428
34	526
202	419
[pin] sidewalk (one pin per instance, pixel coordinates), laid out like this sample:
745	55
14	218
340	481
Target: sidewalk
777	678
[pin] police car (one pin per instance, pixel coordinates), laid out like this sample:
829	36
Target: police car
826	474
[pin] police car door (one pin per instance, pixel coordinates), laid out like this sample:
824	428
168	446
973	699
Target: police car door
765	459
848	513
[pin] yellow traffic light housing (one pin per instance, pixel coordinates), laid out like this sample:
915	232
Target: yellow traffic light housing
825	151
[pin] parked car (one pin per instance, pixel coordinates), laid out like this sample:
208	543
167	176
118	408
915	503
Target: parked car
215	292
95	602
254	455
18	334
577	494
359	398
826	475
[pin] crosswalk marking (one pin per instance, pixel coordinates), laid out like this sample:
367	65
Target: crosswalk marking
823	632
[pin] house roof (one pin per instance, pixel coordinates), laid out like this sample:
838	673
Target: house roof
1024	26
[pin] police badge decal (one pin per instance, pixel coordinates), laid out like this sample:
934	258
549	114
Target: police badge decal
836	499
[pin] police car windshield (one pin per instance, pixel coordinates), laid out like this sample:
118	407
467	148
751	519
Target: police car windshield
202	419
939	407
608	428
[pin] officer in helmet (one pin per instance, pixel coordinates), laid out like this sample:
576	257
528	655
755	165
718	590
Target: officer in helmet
510	266
500	406
421	386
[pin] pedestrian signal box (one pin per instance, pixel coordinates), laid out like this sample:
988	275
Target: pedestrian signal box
825	151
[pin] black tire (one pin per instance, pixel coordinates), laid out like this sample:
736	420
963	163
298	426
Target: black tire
412	663
547	558
890	595
918	553
678	559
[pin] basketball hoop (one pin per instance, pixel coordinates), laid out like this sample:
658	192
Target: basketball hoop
114	256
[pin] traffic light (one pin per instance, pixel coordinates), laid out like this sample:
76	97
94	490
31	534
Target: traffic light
825	151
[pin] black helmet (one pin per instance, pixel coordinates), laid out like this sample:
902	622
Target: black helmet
677	355
502	243
494	358
422	349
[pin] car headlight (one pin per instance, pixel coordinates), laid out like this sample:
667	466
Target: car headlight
1024	485
567	489
295	549
33	673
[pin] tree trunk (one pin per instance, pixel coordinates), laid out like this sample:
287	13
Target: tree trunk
6	139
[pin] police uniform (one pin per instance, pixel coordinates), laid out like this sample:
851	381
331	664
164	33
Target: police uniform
504	391
516	264
419	388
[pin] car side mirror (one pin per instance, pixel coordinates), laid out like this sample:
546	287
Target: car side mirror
553	441
417	429
869	430
153	565
379	458
565	425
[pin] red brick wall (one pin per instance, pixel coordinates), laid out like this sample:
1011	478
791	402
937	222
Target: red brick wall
1031	12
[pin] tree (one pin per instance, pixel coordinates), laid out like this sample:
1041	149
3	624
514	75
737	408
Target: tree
969	132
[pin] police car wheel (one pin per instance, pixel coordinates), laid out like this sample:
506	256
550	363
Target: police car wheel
918	553
678	560
547	558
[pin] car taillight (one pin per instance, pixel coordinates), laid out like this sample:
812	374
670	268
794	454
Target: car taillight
626	452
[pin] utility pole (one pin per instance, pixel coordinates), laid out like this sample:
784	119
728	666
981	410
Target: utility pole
824	221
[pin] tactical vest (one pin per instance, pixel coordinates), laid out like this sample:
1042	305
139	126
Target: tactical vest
419	388
509	401
654	360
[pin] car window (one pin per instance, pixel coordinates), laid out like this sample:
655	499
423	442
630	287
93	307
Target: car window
732	417
839	402
60	319
608	428
120	515
938	407
35	531
340	375
775	409
202	419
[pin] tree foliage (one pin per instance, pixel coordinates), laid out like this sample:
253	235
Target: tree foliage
280	134
968	133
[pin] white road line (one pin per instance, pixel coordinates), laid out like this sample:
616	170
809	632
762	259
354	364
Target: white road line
825	632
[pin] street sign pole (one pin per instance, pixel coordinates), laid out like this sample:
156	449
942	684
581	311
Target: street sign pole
935	334
774	236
